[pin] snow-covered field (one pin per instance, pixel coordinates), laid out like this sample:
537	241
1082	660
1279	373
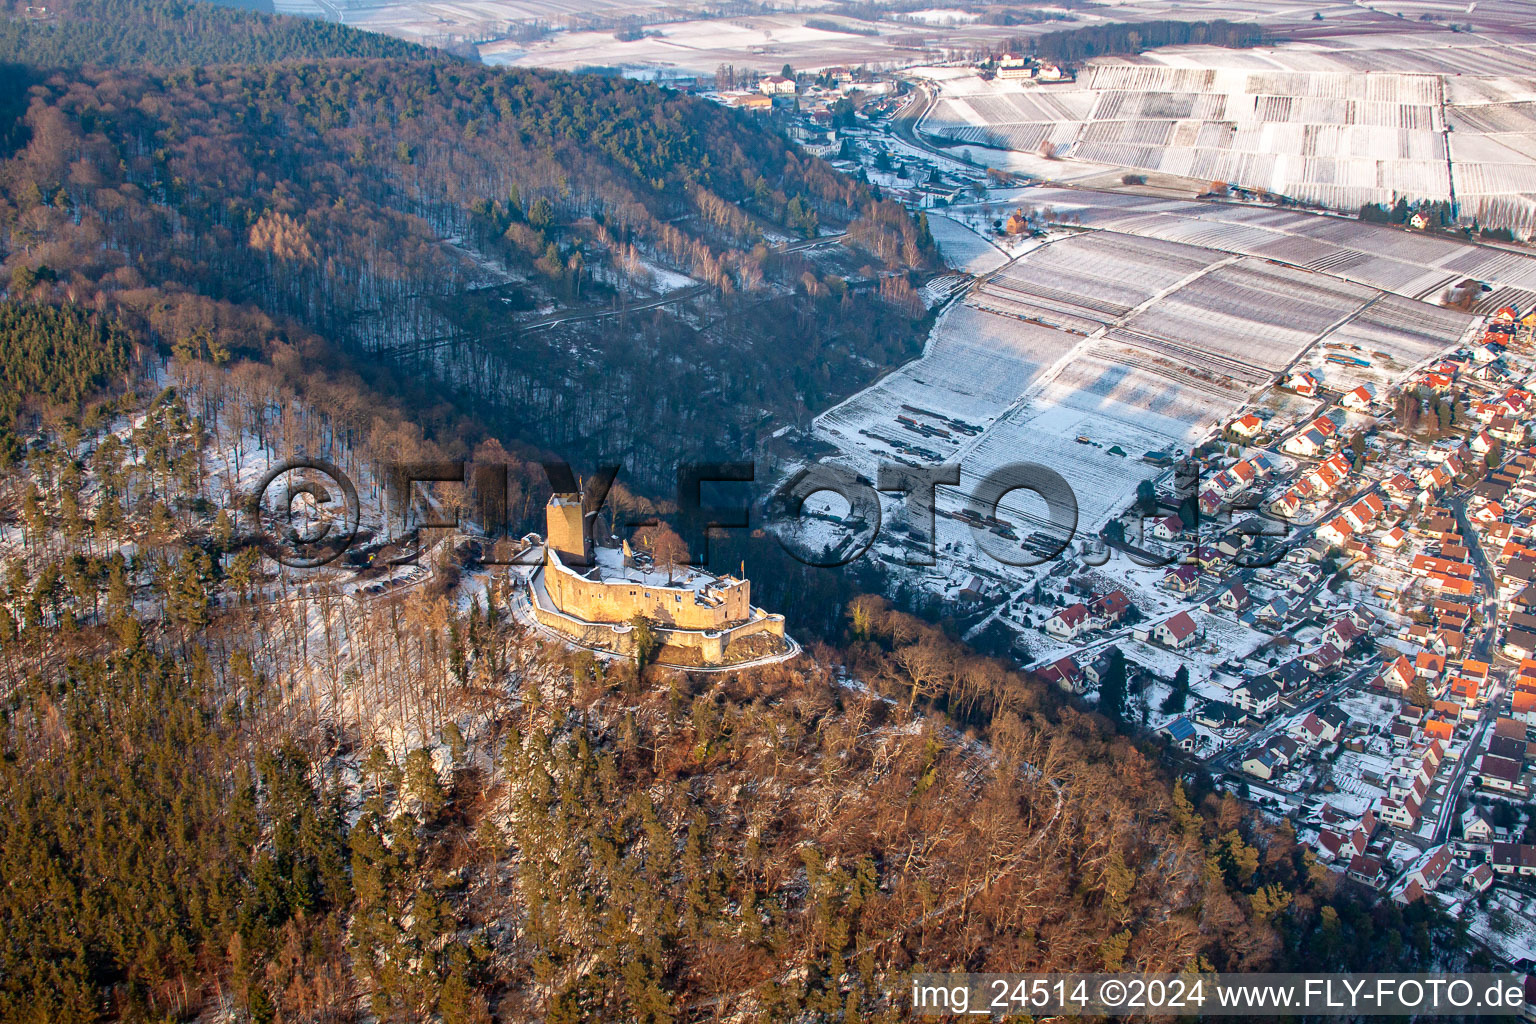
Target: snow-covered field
1086	281
963	248
1410	264
976	365
1431	116
1044	429
763	42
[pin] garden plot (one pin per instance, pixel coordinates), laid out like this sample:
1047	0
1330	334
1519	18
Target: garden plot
1503	923
1392	335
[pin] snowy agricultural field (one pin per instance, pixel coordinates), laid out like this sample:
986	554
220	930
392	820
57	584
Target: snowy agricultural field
1493	149
988	371
1410	264
1044	431
1246	319
761	42
975	366
963	248
1338	120
1085	281
1392	335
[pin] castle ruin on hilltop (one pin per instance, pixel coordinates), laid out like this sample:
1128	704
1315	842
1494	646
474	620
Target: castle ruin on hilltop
593	593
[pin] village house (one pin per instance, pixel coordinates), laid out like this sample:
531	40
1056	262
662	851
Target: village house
1466	691
1400	486
1245	426
1324	658
1336	531
1343	632
1270	760
1514	859
1308	444
1178	632
1366	871
1168	528
1501	775
1288	504
1262	764
1067	623
1232	544
1439	728
1303	382
1183	580
1364	512
1346	847
1400	812
1507	429
1290	676
1181	732
1258	697
1513	747
1093	672
1110	609
1430	869
1318	728
1065	673
1234	599
1360	399
1475	826
1519	643
1398	676
1272	613
1218	714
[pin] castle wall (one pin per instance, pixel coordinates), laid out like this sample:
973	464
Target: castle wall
621	600
619	636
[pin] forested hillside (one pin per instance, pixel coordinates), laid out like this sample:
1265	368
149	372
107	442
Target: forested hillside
320	194
174	33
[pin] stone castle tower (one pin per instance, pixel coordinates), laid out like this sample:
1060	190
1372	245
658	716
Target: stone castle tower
565	529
